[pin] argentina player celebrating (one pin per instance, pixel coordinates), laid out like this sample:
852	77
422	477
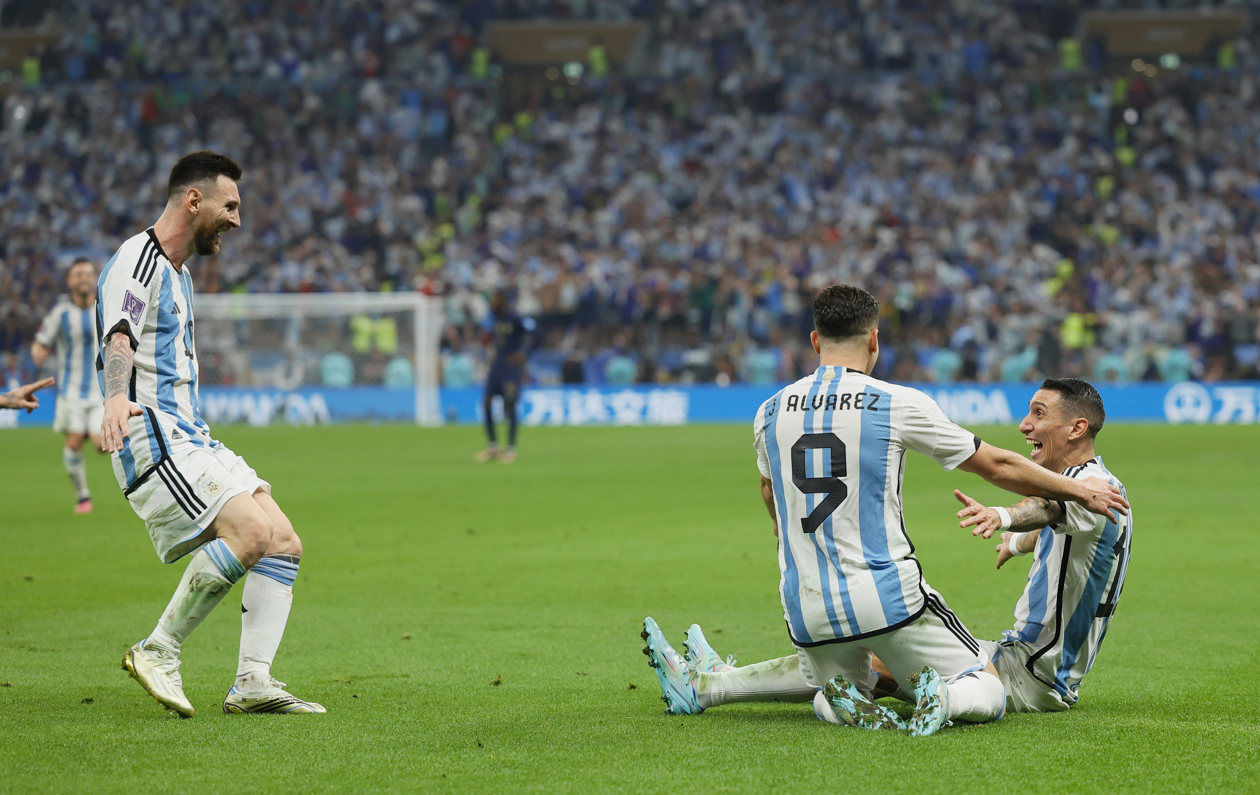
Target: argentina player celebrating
194	494
1079	558
831	450
70	330
1079	565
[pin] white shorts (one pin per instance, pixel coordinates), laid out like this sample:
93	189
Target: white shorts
936	639
77	415
180	497
1024	692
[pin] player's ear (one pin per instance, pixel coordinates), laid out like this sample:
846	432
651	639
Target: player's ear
813	340
1080	427
192	200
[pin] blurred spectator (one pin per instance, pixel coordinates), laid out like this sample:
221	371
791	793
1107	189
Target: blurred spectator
336	370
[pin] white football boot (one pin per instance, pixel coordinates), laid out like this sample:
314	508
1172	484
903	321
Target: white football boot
157	671
272	698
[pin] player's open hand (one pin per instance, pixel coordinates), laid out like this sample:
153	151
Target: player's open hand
118	413
1100	497
983	520
24	396
1004	549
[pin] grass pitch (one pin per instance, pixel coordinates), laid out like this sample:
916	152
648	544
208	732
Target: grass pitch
475	628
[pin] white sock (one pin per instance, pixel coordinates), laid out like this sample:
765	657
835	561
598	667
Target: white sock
773	680
73	459
209	576
265	605
976	697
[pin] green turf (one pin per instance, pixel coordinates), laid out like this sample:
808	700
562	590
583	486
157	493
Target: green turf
427	579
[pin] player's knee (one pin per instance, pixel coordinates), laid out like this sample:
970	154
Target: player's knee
74	442
252	535
284	539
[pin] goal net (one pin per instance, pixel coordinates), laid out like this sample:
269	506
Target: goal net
316	357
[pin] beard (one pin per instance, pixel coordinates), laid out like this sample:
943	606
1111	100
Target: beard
205	243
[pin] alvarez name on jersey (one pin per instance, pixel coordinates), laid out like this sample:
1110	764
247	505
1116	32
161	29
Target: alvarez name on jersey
834	445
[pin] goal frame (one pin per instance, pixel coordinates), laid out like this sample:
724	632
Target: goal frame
426	327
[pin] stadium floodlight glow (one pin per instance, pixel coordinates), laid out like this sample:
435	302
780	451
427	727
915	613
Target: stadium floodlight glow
1138	64
552	73
1170	60
1130	116
573	70
1150	70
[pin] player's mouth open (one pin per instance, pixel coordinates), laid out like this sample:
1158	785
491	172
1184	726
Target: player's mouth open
1036	446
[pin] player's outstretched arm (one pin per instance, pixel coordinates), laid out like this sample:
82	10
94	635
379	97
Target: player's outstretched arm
1013	472
1027	514
118	409
24	396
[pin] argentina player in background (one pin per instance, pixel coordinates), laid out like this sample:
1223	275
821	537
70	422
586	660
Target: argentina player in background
196	496
831	451
70	330
1079	565
511	335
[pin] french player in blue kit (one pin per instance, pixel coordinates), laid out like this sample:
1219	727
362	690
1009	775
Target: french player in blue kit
70	331
831	450
511	335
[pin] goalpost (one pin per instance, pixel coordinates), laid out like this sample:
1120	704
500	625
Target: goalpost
321	344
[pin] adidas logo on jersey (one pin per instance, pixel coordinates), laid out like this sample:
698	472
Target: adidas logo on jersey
176	309
175	434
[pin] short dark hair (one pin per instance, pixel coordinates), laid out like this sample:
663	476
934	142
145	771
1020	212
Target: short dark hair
1080	398
842	311
200	166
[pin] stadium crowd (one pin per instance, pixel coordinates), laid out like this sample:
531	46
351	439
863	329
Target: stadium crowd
1017	213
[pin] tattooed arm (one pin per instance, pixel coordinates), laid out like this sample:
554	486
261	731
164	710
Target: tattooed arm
1028	514
118	409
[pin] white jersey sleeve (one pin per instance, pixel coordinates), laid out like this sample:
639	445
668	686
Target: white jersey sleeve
127	291
925	428
759	442
1078	520
47	333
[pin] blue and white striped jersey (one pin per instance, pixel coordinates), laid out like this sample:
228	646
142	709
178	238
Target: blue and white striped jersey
71	332
143	295
1073	587
834	446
